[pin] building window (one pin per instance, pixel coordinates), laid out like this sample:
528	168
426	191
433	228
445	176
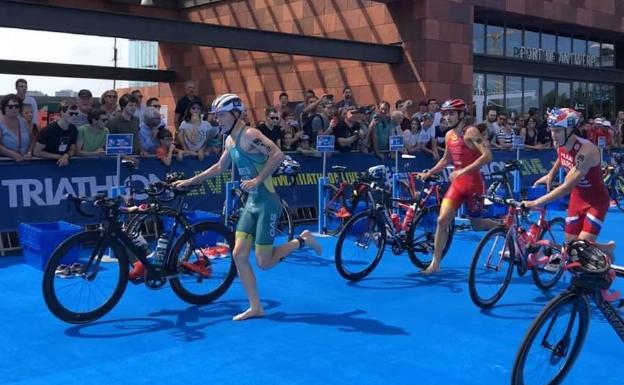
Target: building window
531	39
513	41
579	46
564	94
478	95
478	38
530	94
579	95
548	95
513	95
495	91
564	44
549	42
607	55
494	40
593	49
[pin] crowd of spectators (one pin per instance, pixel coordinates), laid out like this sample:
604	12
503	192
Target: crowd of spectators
84	122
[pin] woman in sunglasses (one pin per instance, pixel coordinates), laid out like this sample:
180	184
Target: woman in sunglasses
15	137
194	132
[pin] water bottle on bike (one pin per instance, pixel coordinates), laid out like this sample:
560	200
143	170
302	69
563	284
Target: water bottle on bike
396	221
161	250
409	216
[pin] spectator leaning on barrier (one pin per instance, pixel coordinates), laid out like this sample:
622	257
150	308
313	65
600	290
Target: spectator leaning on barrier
434	107
194	132
28	115
307	94
21	89
58	140
215	142
619	127
148	130
292	126
166	148
108	102
126	122
184	101
140	111
271	127
380	129
601	130
422	109
16	140
91	139
491	121
504	138
84	101
347	99
347	130
529	134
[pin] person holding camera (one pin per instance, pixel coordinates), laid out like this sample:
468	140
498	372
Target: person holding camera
348	131
380	130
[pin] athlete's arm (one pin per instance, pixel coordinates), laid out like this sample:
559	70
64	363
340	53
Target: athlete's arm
265	146
547	179
218	168
441	163
586	158
475	139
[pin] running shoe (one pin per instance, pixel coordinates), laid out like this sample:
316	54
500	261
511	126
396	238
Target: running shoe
77	269
63	271
222	250
343	213
138	271
554	264
210	252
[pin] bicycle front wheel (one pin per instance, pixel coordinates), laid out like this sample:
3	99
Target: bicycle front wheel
85	277
360	245
547	275
203	259
553	342
491	267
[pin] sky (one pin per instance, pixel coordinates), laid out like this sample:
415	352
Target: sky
28	45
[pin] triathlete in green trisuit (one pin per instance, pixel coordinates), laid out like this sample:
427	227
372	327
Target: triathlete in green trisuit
256	158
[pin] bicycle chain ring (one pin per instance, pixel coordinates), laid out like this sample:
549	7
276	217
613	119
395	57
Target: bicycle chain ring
155	279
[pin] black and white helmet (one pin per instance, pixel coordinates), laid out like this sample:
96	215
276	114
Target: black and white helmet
288	167
227	103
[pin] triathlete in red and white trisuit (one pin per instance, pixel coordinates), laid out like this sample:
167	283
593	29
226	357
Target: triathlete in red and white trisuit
468	151
589	198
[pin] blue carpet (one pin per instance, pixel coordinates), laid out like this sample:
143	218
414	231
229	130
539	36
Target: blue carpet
395	327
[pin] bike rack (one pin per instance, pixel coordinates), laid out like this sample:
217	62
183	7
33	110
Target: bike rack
322	182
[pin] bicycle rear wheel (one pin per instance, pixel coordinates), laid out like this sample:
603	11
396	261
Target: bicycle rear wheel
553	342
491	267
203	259
77	286
546	275
360	245
422	237
285	225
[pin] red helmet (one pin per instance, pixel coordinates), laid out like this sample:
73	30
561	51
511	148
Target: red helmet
453	105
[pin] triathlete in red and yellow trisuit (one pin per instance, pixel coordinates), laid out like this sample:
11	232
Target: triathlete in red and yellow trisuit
468	151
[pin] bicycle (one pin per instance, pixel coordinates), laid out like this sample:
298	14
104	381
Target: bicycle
613	175
342	199
556	336
376	227
492	266
77	262
285	225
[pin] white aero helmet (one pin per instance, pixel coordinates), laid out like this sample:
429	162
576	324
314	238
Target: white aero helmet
227	103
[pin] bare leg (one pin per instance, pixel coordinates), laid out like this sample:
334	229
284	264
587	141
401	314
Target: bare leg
266	260
246	274
607	248
441	236
483	224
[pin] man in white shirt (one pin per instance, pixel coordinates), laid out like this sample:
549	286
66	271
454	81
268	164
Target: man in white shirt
21	86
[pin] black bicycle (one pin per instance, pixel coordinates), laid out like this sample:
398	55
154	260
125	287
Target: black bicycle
363	239
88	272
555	338
613	176
285	225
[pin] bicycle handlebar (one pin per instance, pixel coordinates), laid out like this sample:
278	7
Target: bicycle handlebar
99	200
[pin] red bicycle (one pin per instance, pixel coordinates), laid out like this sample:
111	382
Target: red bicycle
343	198
520	242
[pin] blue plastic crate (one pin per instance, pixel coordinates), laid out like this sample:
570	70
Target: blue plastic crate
38	241
193	217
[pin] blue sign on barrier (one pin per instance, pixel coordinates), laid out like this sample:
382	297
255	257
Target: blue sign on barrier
34	192
325	143
396	143
117	144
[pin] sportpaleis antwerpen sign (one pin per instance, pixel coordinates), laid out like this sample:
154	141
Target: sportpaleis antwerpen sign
553	57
